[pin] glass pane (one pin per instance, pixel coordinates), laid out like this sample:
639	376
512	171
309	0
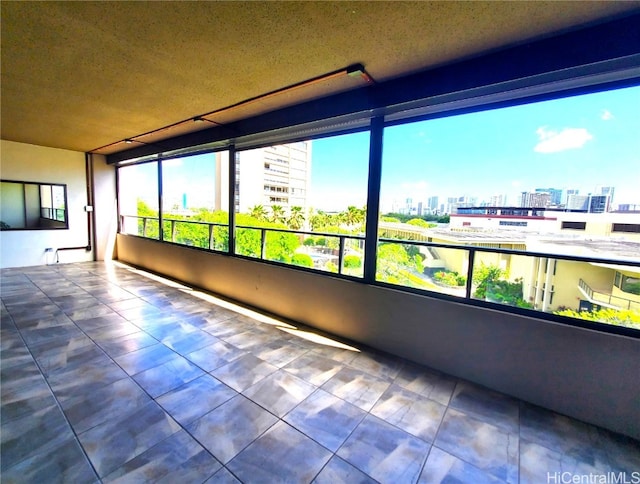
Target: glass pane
423	267
317	186
578	289
554	177
45	197
195	200
138	199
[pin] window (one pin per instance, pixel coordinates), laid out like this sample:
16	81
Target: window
195	200
574	225
444	183
138	200
630	284
633	228
511	223
312	187
472	161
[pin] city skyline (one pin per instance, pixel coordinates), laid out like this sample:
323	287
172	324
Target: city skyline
566	144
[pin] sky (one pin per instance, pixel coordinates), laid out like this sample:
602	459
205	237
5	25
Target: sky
580	142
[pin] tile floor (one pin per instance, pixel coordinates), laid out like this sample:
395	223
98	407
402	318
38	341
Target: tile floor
113	375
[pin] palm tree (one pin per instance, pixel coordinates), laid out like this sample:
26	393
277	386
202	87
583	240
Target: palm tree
320	220
353	216
258	212
277	214
296	218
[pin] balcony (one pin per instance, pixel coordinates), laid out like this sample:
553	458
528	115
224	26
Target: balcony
606	299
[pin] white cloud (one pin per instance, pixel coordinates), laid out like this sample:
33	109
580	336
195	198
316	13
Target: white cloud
606	115
567	139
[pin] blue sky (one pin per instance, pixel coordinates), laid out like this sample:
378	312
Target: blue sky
579	142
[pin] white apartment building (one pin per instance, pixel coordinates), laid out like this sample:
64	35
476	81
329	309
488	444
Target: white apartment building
273	175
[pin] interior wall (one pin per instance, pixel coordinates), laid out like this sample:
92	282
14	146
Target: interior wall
576	372
32	163
105	207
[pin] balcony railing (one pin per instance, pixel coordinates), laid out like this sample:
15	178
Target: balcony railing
399	267
146	224
607	299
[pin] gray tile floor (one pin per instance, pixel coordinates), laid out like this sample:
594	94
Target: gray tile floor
110	374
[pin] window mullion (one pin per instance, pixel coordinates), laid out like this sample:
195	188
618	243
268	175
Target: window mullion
373	199
232	200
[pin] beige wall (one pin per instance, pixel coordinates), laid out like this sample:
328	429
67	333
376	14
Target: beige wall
106	214
577	372
25	162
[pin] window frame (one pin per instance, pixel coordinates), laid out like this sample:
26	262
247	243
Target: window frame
376	123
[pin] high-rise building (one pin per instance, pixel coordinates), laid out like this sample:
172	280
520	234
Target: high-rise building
432	203
498	200
535	199
274	175
555	194
577	202
599	203
602	190
566	194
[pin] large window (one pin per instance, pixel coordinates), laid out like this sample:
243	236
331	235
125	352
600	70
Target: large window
138	200
304	203
509	179
195	200
480	207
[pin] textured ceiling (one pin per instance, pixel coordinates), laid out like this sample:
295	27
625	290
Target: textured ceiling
80	75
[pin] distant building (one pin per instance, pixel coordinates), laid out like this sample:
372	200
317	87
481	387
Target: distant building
497	201
555	195
599	203
629	207
577	202
602	190
432	204
535	199
274	175
567	193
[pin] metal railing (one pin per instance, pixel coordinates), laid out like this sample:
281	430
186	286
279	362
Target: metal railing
533	296
600	297
172	225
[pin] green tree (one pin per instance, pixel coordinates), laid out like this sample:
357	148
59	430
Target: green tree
353	216
296	218
483	277
277	214
258	212
151	227
319	220
418	222
281	246
618	317
303	260
352	262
